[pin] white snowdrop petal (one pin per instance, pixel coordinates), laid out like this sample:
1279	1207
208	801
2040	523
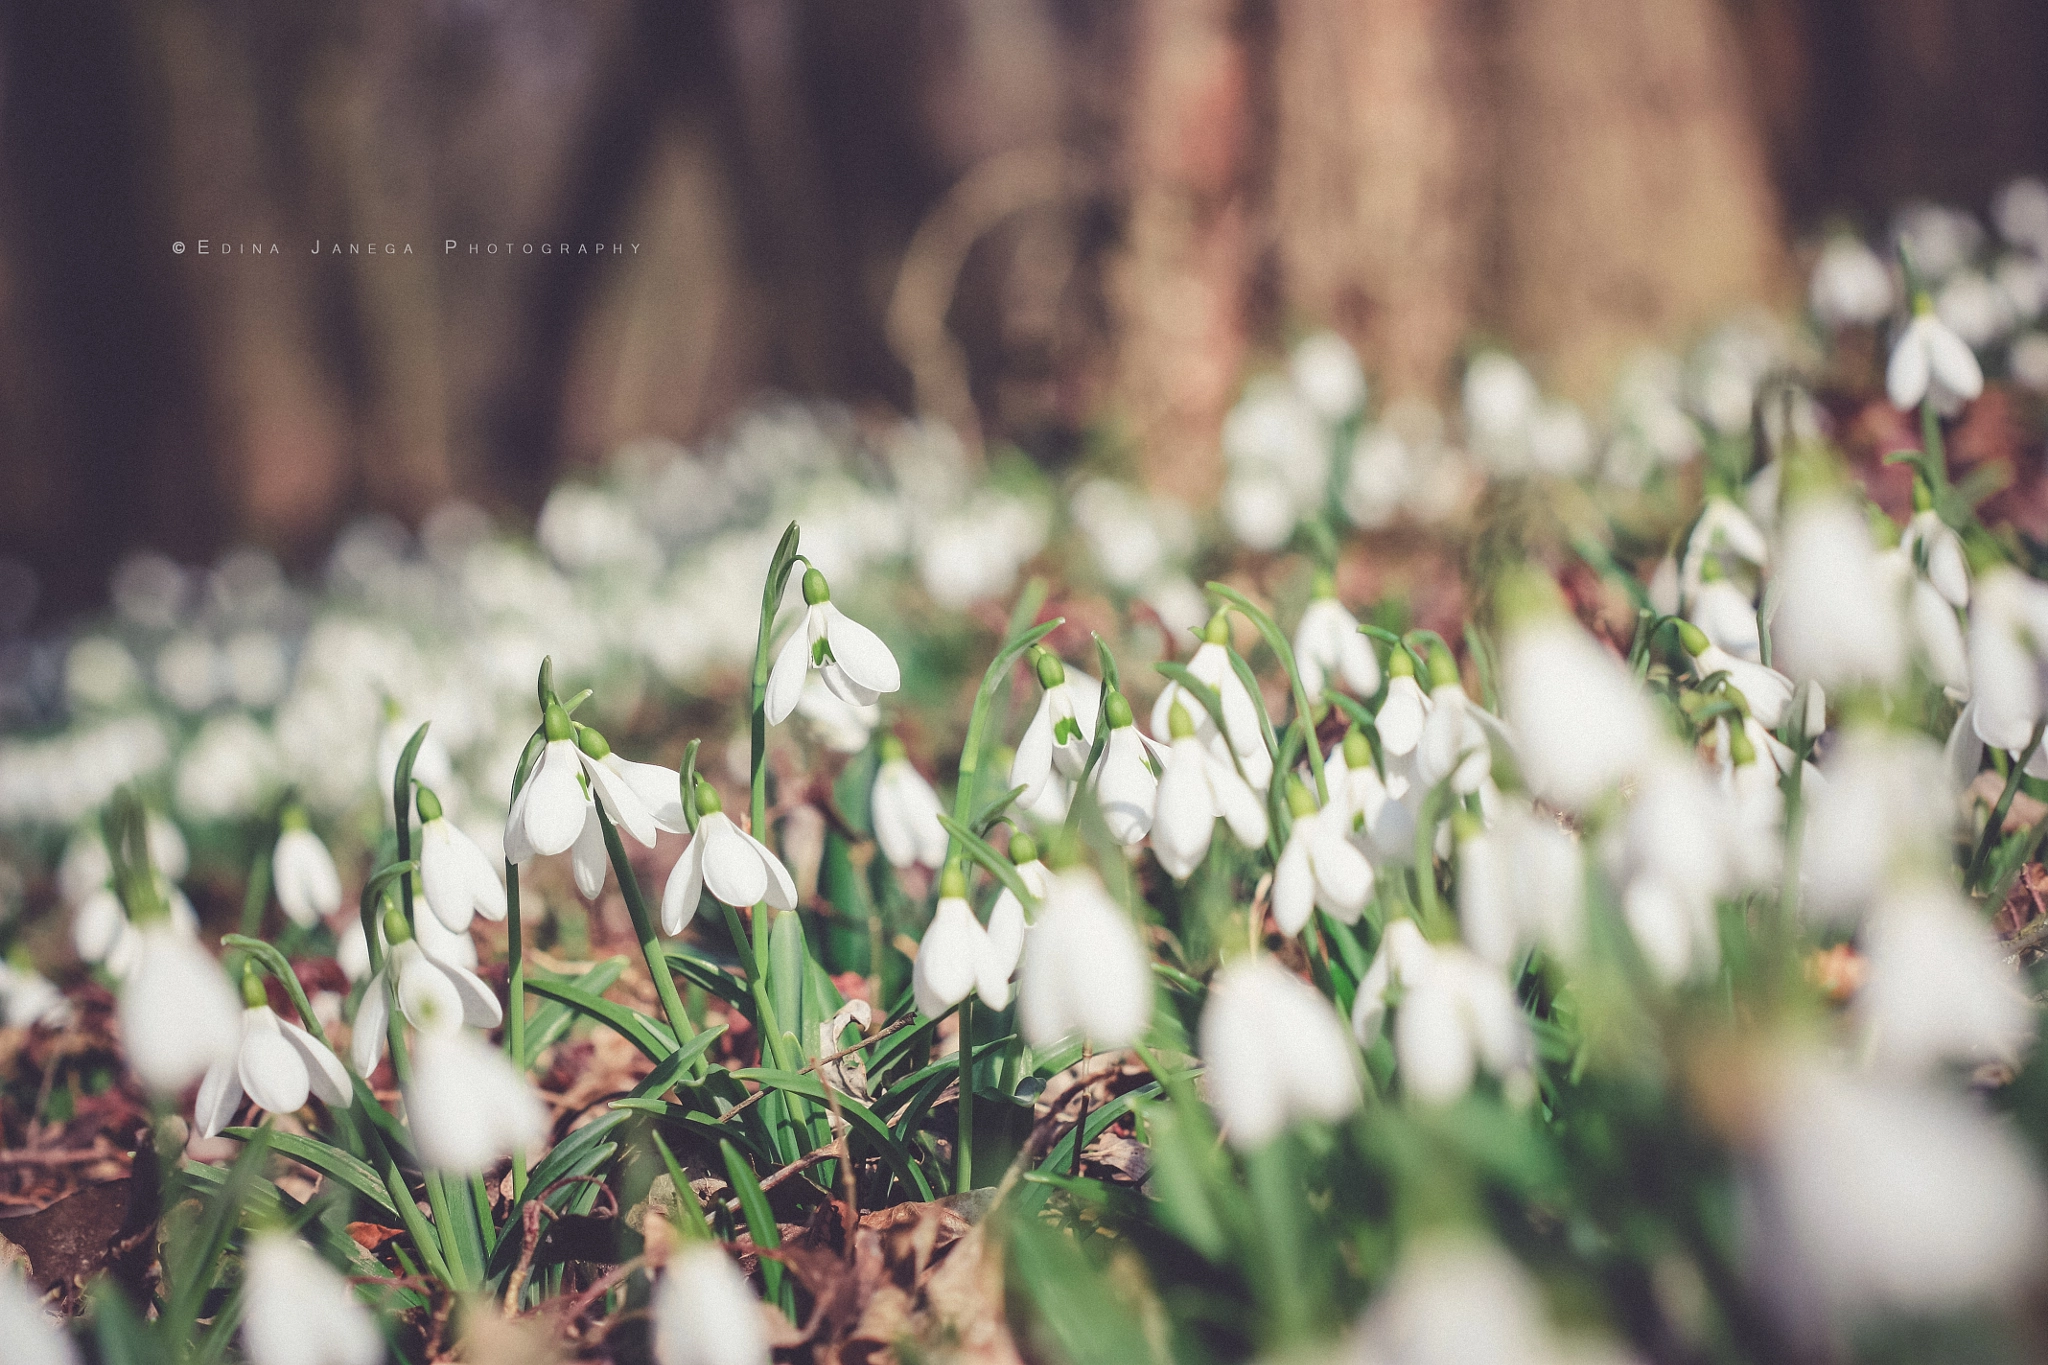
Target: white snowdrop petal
1906	376
732	869
786	680
621	802
270	1069
705	1313
1185	818
373	1017
780	892
1125	787
1294	892
299	1311
660	790
554	804
220	1095
589	857
444	876
860	653
328	1078
1401	716
1033	763
684	889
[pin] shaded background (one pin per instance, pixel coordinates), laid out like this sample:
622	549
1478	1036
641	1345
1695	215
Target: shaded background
1034	218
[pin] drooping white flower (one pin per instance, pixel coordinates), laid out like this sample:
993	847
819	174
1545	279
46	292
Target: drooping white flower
1404	709
737	868
1725	542
352	952
28	998
1871	1192
467	1104
1581	721
86	866
1320	869
705	1313
1196	790
1675	862
1937	989
838	724
1125	786
1007	923
1930	362
2006	657
1275	1052
1455	746
1328	646
302	870
905	811
551	809
955	958
1210	664
101	933
1727	617
1885	814
1085	972
277	1065
177	1012
1937	551
1061	731
1326	372
297	1311
851	659
1259	507
1455	1300
1456	1013
1500	399
1521	882
458	878
33	1336
1837	623
1851	286
433	996
1767	692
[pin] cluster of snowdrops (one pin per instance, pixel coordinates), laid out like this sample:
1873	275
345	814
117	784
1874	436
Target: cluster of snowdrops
1609	976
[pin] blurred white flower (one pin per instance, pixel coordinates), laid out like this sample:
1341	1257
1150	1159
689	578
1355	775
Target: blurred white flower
1929	361
1937	551
1521	882
1274	431
1939	239
1500	401
905	811
1085	973
28	998
297	1311
1560	440
435	997
1851	285
2023	281
1210	664
1937	988
1259	507
1885	814
2028	360
1125	786
1405	708
256	668
1326	371
1062	730
467	1104
100	673
1977	311
188	672
1727	616
1195	791
1456	744
228	771
837	723
1580	720
352	953
705	1313
277	1065
1329	646
178	1014
1275	1053
1836	623
738	869
303	871
1455	1300
1675	862
1455	1014
86	868
955	958
1319	869
851	659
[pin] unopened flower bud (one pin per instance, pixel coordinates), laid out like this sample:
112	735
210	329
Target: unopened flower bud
591	742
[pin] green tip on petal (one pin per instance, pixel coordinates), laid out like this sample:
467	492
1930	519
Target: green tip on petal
396	930
1325	585
1739	747
429	804
1179	724
1051	672
293	817
953	882
1691	637
1400	664
1357	749
1118	709
1710	569
253	994
892	749
816	589
1217	632
591	742
1465	826
1023	848
1443	669
1299	801
1734	694
555	722
1923	496
707	798
1524	594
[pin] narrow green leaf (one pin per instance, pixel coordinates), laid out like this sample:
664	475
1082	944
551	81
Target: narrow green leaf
858	1114
651	1036
760	1217
331	1162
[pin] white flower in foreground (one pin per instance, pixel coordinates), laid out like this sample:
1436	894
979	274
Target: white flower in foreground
1275	1053
1455	746
738	869
1210	664
433	996
955	958
1320	868
1455	1300
615	789
905	811
352	952
1326	371
178	1013
1938	989
467	1104
1404	709
1455	1014
33	1336
1929	361
1837	623
302	870
1869	1192
1195	791
851	659
1884	815
1126	788
1851	285
1328	646
1085	972
1725	614
1521	882
278	1064
2006	653
27	998
298	1311
1007	923
551	808
1061	731
459	879
705	1313
1936	550
1581	721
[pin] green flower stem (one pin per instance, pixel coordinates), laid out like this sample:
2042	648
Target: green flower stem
977	720
650	942
437	1199
771	599
423	1235
964	1181
1989	839
258	893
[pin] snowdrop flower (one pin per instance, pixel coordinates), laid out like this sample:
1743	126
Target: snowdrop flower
1404	709
1454	746
352	951
1258	506
1061	731
705	1313
1560	440
458	878
1125	786
837	723
905	811
2006	670
1521	881
298	1311
278	1064
302	870
1085	972
1931	363
28	998
1195	791
1767	693
551	809
33	1336
955	958
1500	400
86	866
851	659
1455	1300
101	933
1727	617
738	869
1885	814
1836	623
1326	371
1868	1192
1939	239
1353	781
1937	989
1675	839
616	789
177	1012
1727	538
2020	210
1455	1014
1328	645
467	1104
1975	309
1007	924
1581	722
1319	869
1851	286
1210	664
1275	1053
434	997
1936	550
